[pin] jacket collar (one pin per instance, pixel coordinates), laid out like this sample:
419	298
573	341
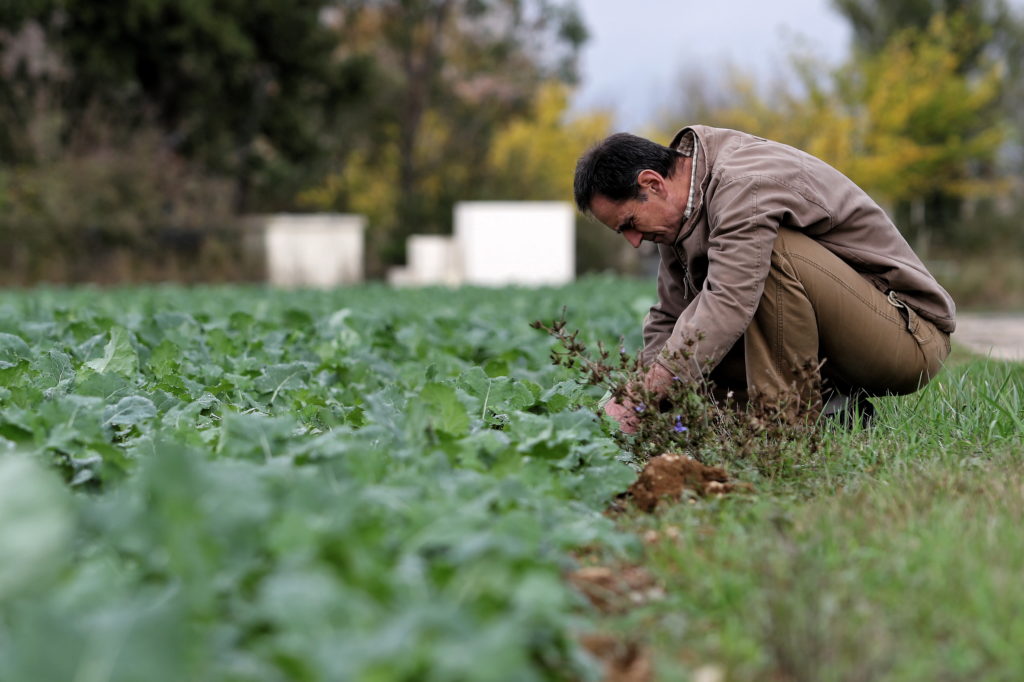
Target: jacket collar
700	176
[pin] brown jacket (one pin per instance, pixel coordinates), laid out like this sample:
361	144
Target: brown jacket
711	279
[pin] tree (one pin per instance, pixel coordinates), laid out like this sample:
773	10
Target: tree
32	76
382	106
449	73
876	22
245	87
907	123
534	156
992	31
930	127
129	125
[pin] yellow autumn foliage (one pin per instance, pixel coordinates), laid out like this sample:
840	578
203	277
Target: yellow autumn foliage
924	120
534	157
365	184
903	123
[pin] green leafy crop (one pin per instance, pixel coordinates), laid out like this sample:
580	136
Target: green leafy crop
258	485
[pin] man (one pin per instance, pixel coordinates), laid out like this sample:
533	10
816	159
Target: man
771	261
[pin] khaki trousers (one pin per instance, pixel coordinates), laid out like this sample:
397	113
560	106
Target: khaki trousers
816	308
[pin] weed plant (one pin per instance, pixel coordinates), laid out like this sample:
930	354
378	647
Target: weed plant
694	417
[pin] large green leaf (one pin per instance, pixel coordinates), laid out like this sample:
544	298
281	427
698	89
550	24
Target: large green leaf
443	409
119	356
13	350
130	411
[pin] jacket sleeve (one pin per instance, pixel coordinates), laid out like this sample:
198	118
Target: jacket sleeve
744	218
672	300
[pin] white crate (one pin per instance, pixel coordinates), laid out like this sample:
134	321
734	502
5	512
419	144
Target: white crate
433	259
317	250
516	242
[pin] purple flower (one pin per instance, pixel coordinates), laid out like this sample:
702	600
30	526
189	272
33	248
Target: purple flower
639	408
679	428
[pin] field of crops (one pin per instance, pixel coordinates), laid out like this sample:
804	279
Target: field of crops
369	484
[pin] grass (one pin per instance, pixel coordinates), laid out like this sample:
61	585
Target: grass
893	553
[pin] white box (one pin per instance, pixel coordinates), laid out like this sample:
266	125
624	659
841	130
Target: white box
433	259
317	250
400	276
516	242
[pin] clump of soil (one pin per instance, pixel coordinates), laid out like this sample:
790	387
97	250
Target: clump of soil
669	476
624	661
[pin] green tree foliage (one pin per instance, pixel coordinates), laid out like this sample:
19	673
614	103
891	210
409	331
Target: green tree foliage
245	88
32	77
533	156
876	22
135	132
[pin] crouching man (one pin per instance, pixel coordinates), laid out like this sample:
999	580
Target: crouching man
771	261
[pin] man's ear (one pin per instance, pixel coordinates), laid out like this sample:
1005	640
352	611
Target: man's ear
650	180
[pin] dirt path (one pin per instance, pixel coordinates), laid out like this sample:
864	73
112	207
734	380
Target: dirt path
998	335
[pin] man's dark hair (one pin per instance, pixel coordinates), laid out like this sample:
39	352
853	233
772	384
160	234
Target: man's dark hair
611	168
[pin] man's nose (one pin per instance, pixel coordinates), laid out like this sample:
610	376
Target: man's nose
633	237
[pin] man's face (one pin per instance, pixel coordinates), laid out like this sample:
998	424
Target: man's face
653	217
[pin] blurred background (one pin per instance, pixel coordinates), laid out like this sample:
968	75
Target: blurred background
138	136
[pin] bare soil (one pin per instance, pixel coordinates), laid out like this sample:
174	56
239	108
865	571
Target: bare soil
624	661
616	590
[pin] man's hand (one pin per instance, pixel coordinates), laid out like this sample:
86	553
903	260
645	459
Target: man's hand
624	413
658	380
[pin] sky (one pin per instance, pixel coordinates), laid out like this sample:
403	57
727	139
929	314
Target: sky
638	49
